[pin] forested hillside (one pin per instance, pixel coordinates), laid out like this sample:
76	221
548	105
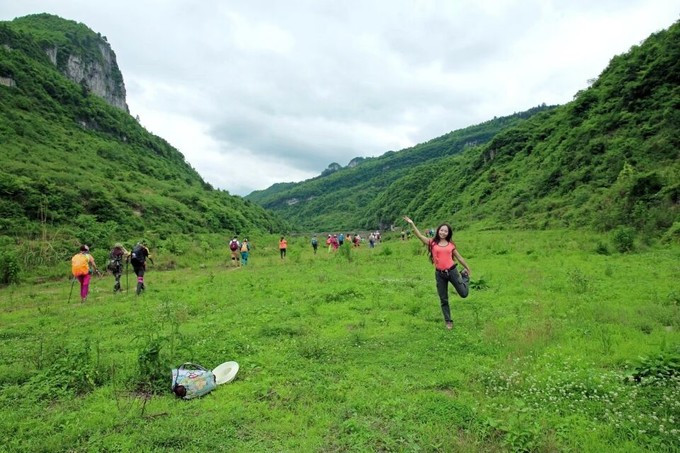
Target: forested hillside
76	167
609	158
341	199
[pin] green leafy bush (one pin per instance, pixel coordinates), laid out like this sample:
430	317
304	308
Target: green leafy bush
386	251
601	248
664	365
9	268
623	239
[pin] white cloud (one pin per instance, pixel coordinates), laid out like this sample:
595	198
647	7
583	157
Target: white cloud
288	87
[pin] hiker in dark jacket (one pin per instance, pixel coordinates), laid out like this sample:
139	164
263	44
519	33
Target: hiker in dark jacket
138	260
116	257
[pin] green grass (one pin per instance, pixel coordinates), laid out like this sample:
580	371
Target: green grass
343	352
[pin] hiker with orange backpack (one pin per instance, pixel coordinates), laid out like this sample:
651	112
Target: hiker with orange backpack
82	268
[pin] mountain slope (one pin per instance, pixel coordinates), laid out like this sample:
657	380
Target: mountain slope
609	158
339	199
73	163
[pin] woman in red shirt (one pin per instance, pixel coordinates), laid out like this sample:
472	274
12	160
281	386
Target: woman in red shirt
443	253
283	245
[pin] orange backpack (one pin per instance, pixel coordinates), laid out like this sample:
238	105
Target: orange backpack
80	265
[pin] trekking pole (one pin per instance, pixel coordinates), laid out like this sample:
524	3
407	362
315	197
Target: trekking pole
127	282
73	281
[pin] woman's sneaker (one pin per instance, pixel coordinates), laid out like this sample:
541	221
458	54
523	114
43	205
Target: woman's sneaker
449	325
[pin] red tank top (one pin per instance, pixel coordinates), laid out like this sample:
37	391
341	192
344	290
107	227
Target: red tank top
443	255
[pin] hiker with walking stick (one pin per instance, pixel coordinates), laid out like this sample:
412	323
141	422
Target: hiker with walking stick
82	268
118	253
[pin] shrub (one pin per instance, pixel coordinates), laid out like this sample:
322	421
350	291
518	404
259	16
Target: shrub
672	234
665	365
386	251
601	248
9	268
623	239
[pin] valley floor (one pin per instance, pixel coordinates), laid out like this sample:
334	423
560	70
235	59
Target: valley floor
557	348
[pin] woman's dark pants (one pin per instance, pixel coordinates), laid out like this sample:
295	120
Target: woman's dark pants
461	283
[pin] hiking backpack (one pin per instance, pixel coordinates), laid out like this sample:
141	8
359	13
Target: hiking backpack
138	254
233	245
245	247
115	259
80	265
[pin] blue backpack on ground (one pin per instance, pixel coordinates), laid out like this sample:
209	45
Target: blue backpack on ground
190	380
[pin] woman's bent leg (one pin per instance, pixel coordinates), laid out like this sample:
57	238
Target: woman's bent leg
460	282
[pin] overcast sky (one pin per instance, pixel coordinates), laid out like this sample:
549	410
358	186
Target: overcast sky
256	92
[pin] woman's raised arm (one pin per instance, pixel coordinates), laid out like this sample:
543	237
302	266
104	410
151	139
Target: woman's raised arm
425	240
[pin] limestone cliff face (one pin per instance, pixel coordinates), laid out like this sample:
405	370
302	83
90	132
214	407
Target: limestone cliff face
98	73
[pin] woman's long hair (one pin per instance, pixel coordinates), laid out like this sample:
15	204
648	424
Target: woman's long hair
436	239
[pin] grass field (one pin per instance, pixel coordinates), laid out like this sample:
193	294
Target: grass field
557	348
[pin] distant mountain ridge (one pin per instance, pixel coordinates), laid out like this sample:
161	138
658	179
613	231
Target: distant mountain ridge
338	198
76	166
608	159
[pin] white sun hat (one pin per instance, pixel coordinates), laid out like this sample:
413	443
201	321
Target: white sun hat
225	372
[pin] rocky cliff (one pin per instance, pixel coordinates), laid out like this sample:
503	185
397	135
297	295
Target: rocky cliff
82	55
98	76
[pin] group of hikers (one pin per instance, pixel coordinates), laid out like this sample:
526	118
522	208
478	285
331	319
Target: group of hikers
83	266
239	251
442	251
335	241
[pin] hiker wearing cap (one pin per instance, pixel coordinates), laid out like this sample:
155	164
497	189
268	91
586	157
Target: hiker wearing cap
116	256
444	254
245	250
283	245
138	258
82	267
235	247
